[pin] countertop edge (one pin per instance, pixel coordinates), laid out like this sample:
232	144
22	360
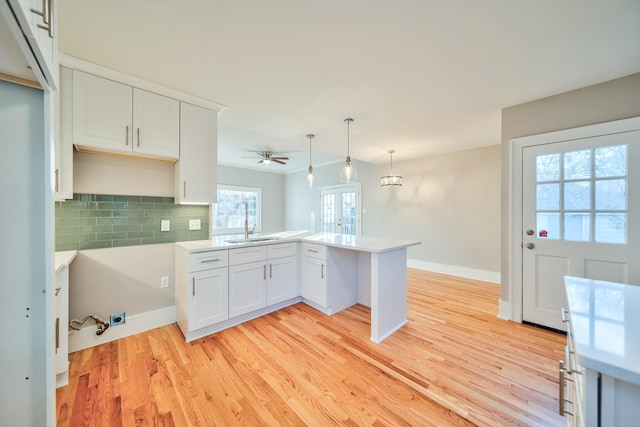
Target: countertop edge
63	259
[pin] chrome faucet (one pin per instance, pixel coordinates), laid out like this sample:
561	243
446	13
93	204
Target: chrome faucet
246	221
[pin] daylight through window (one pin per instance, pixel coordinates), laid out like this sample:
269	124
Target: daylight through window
228	214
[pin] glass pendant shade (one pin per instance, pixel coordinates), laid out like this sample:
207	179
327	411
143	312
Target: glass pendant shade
348	173
391	180
309	178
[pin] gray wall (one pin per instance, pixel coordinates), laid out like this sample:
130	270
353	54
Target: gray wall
449	202
614	100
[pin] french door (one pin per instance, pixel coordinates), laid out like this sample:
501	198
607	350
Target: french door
340	209
580	217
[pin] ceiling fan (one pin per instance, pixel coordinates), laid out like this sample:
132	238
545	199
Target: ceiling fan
267	157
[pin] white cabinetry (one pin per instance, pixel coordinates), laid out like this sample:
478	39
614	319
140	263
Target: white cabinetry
33	24
63	148
61	329
196	171
247	280
329	279
282	270
201	290
115	118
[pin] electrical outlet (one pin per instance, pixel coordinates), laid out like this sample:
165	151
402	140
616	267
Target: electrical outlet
164	282
165	225
116	319
194	224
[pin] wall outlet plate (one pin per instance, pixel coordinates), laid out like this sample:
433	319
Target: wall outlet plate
194	224
164	282
116	319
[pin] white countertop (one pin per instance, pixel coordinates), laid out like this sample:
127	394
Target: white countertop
63	259
605	318
359	243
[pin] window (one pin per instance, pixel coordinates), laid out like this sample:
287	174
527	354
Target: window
228	215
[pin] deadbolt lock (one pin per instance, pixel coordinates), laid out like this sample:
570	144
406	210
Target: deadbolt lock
530	232
530	245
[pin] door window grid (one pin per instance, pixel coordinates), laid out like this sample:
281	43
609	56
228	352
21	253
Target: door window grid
581	195
349	213
328	212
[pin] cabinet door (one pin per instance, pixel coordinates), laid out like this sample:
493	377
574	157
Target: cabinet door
102	112
156	123
313	285
61	320
209	298
282	284
63	148
247	288
196	170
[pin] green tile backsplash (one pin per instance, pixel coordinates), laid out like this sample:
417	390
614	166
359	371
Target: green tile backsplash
92	221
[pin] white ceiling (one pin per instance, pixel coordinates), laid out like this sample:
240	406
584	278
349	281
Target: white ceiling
422	77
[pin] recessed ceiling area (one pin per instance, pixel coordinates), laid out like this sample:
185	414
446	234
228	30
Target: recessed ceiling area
421	77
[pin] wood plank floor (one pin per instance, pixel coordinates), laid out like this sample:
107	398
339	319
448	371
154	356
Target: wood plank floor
454	363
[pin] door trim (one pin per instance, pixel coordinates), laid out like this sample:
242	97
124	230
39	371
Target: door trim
512	309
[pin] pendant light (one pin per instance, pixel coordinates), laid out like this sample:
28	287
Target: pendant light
309	177
391	180
348	173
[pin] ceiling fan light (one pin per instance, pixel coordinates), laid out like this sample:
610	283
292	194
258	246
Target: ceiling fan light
266	161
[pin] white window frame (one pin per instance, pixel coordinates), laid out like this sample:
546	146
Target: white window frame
236	230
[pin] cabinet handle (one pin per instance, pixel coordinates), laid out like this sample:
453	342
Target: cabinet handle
56	179
206	261
184	189
564	312
126	133
322	271
57	334
138	132
193	286
264	271
270	271
311	250
46	14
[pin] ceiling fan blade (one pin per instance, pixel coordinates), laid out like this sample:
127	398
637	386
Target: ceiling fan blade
261	161
279	158
274	159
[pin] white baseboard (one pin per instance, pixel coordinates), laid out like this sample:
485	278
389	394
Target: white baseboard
454	270
134	324
504	310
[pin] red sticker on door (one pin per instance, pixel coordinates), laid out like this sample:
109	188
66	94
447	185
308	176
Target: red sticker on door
543	233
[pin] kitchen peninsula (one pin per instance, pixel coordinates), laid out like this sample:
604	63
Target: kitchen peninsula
226	281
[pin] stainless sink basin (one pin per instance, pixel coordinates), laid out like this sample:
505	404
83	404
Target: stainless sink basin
252	239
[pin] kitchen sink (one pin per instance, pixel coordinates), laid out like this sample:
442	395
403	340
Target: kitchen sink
252	239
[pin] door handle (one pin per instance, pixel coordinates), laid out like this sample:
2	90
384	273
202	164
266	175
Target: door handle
530	245
530	232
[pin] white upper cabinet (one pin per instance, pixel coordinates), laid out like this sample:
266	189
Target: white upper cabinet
115	118
196	171
37	20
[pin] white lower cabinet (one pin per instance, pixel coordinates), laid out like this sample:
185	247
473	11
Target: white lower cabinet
314	283
61	333
209	298
247	288
202	290
282	280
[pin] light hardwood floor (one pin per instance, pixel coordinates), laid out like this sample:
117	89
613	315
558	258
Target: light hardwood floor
454	363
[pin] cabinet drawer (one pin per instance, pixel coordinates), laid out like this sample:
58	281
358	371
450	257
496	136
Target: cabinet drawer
248	254
314	251
281	250
208	260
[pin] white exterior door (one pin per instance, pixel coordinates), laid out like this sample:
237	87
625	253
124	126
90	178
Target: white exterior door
580	217
340	209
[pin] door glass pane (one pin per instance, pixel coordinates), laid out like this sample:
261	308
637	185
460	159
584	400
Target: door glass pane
549	222
577	164
577	195
548	168
349	213
547	197
611	227
611	194
577	226
611	161
328	212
